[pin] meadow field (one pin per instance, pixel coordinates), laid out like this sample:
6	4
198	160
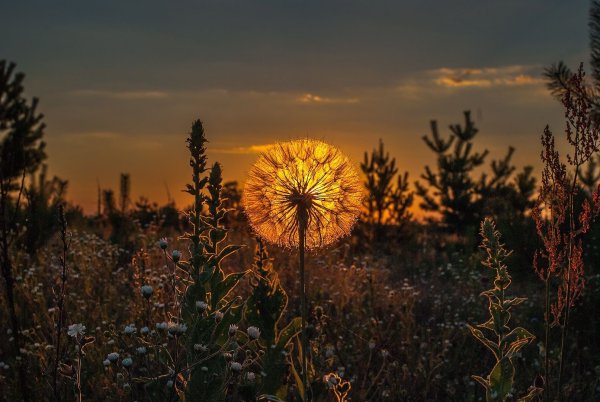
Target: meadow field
315	277
141	302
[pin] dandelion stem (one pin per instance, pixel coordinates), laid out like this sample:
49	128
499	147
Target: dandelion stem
301	246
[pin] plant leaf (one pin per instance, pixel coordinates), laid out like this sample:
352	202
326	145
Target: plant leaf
533	392
501	380
489	344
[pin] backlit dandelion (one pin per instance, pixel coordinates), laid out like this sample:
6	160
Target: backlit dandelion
304	194
302	182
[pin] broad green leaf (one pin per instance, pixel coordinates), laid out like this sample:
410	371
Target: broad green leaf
489	324
513	302
226	251
489	344
533	393
482	381
501	380
291	330
297	379
222	288
515	340
500	316
269	398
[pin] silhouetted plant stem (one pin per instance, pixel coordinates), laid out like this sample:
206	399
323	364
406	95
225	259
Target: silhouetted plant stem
61	298
547	392
302	217
10	282
565	327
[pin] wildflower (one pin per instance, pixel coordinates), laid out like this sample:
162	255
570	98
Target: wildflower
250	376
253	332
235	366
106	362
176	329
162	243
161	325
147	291
130	329
200	348
232	329
127	362
176	255
170	384
145	331
76	330
331	379
112	357
218	316
302	180
141	350
201	306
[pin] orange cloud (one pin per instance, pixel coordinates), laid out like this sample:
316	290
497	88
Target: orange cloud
126	95
516	75
251	149
311	98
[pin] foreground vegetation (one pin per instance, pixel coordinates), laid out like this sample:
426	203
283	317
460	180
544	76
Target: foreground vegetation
147	303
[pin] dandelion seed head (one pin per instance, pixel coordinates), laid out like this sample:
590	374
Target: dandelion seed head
302	177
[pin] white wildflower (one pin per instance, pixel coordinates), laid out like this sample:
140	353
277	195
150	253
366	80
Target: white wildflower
253	332
76	330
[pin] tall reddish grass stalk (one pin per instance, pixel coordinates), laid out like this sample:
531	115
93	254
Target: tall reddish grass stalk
555	217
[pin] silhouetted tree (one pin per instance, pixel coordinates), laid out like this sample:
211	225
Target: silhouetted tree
43	198
386	203
560	76
21	152
109	202
125	191
590	177
450	189
402	199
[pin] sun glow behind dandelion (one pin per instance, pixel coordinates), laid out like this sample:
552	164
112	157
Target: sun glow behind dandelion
302	178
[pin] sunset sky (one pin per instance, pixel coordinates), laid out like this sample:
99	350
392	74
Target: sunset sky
120	83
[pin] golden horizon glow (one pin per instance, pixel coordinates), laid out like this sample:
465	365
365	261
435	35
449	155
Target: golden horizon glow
309	170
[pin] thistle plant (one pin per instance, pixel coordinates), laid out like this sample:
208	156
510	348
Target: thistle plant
304	194
207	283
503	342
